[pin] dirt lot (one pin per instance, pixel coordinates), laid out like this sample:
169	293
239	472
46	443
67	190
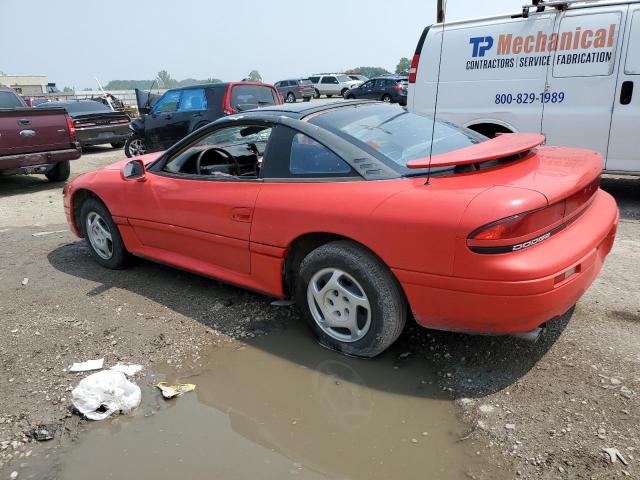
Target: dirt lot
438	405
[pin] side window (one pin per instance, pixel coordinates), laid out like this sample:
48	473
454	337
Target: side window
314	79
228	153
368	84
632	65
586	52
278	84
193	100
168	102
310	158
329	80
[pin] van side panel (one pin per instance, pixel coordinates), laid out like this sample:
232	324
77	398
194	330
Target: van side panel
492	74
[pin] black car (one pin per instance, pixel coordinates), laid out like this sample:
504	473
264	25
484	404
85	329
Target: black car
387	89
95	123
181	111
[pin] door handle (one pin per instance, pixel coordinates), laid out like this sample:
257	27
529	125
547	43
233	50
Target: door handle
241	214
199	114
167	117
626	92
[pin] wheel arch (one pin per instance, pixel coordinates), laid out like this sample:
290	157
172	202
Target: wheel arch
77	200
302	245
490	128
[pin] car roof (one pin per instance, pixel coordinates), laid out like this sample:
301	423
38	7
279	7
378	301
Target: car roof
300	110
220	85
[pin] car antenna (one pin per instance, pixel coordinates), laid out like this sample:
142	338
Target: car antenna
149	94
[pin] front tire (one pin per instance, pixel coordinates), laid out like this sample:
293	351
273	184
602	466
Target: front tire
102	235
134	146
350	299
316	94
60	172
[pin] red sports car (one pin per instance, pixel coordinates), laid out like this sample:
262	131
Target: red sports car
360	214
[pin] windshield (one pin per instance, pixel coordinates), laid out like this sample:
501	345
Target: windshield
396	136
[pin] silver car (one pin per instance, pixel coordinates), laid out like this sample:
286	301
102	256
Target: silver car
331	84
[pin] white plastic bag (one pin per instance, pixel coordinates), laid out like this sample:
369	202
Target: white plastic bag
101	394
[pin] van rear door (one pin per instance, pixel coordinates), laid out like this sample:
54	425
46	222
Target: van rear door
624	141
582	80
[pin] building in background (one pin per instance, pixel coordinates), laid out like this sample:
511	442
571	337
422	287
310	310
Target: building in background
28	84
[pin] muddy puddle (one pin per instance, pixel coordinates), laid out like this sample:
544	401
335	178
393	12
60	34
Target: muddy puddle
279	407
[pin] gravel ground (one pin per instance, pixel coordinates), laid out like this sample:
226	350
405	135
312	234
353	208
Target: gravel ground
550	408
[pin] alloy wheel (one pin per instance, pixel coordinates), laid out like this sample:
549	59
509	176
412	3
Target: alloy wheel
339	305
99	235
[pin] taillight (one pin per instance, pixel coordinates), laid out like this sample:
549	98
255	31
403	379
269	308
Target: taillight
399	88
413	71
527	229
71	127
120	121
81	124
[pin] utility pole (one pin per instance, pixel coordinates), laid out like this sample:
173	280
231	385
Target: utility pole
441	8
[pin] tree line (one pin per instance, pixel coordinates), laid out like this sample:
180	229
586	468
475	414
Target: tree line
164	80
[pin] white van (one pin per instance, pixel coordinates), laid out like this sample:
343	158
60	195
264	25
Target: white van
569	70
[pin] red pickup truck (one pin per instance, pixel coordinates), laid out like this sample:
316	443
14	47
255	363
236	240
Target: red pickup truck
35	140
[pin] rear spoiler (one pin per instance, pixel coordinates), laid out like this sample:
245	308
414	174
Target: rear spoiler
503	146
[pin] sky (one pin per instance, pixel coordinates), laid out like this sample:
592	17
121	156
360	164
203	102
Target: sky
73	41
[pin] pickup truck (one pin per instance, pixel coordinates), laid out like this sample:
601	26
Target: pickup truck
35	140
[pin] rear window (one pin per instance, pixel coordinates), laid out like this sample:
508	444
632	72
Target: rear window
9	100
304	82
245	97
396	136
79	107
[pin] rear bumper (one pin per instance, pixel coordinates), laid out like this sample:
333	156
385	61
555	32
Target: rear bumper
23	162
103	134
501	307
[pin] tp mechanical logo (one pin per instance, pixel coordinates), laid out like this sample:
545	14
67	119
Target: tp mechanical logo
481	45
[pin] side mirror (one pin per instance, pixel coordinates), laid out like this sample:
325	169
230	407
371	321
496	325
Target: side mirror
134	170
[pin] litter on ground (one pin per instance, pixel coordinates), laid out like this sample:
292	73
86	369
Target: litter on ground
87	366
103	393
170	391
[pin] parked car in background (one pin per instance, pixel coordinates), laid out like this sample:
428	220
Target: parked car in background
359	78
35	140
492	236
332	84
181	111
292	90
387	89
95	123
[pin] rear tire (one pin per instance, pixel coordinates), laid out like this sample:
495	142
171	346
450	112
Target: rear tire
102	235
134	146
60	172
307	99
290	98
117	144
386	98
350	299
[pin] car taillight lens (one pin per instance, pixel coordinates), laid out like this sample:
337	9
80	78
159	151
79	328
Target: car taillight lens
120	121
399	88
529	228
71	127
79	124
413	71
